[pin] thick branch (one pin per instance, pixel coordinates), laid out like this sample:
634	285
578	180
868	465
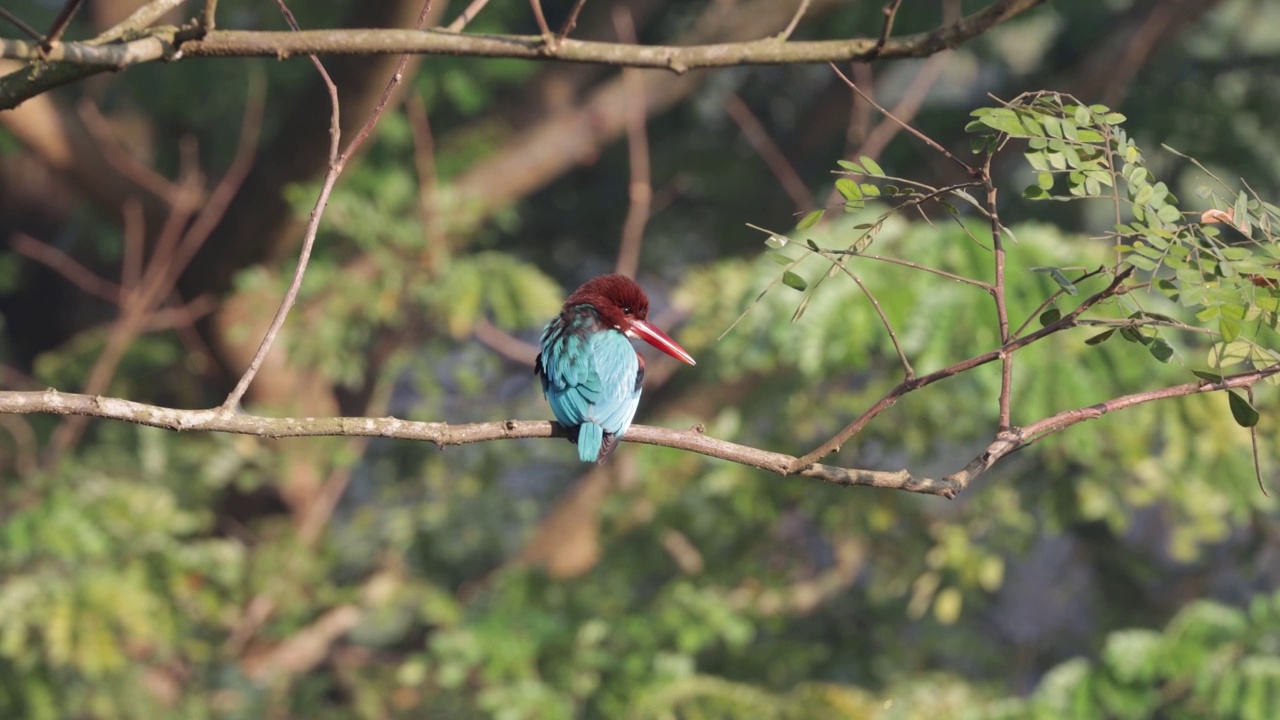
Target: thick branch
442	434
237	43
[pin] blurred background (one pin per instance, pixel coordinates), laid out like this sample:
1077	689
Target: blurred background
149	223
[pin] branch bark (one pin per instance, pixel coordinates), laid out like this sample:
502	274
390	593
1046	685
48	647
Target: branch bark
692	440
80	58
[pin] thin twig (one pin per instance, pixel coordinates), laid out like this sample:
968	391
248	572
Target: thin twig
640	187
1253	442
570	22
890	398
19	23
1002	308
337	162
214	205
1053	298
467	15
907	371
1018	438
768	151
66	266
135	236
124	162
547	36
909	105
24	456
795	20
890	12
919	135
504	343
986	287
424	160
179	239
61	21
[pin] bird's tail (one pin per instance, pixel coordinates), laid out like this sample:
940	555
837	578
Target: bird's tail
590	441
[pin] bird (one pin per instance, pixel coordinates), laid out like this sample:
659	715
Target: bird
590	373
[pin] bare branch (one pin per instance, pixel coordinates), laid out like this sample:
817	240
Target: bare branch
467	15
208	18
907	371
1018	438
547	36
795	20
890	14
61	21
769	152
74	60
442	434
1002	308
921	136
125	162
19	23
504	343
1253	444
693	440
337	162
66	266
424	160
570	22
640	188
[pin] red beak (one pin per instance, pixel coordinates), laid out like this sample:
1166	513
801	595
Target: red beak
661	340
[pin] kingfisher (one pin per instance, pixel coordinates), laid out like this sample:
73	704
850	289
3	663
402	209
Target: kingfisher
590	373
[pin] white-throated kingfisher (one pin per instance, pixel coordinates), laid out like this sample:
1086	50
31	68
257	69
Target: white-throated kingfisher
590	373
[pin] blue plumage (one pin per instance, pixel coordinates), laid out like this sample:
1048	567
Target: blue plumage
591	376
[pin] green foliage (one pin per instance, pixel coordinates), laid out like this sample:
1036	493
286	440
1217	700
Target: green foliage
1211	661
131	570
106	579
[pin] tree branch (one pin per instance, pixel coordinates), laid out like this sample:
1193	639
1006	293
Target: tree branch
81	58
1018	438
442	434
890	398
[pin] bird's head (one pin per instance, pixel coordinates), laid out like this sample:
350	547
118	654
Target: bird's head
622	305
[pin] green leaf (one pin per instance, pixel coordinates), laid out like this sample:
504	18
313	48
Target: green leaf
779	257
1169	213
1161	350
1100	338
1229	327
1050	316
793	280
849	189
1035	192
851	166
1004	120
812	218
1062	281
873	168
1212	377
1045	180
1242	411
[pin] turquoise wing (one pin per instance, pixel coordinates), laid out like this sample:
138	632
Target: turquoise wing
592	381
